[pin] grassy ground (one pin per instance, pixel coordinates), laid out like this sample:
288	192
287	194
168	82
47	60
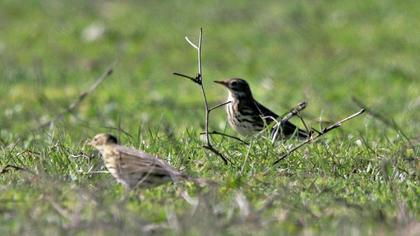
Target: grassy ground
360	179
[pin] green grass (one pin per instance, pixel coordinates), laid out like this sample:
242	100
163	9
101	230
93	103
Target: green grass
360	179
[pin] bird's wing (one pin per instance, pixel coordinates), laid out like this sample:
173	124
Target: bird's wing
265	112
141	161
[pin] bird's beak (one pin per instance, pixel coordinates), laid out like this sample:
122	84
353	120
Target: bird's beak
222	82
90	143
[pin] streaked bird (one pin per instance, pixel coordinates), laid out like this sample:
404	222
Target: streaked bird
134	168
248	117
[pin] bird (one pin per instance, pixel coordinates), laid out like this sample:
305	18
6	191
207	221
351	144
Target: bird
248	117
134	168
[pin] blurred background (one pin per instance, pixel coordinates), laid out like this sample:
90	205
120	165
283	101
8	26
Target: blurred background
324	52
360	179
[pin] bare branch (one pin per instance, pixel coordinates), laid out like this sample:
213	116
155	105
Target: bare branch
296	112
293	112
304	124
212	149
220	105
191	43
220	133
193	79
8	167
390	123
321	133
75	104
200	65
199	80
339	123
226	135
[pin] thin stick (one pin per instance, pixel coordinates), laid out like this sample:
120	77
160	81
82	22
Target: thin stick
286	117
321	133
191	43
220	105
226	135
220	133
215	151
199	80
293	112
8	167
75	105
193	79
391	123
200	72
304	124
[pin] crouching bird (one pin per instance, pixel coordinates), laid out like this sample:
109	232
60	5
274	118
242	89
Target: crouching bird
134	168
248	117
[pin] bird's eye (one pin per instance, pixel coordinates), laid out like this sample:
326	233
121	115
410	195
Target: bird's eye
234	84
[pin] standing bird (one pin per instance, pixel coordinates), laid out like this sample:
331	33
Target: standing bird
249	117
131	167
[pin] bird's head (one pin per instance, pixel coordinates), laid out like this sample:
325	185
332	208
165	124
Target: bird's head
238	88
101	140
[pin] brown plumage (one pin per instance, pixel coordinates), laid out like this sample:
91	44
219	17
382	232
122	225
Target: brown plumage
248	117
134	168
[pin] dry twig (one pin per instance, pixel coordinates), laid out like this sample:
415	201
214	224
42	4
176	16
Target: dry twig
199	80
75	104
295	111
321	133
7	168
388	122
214	132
